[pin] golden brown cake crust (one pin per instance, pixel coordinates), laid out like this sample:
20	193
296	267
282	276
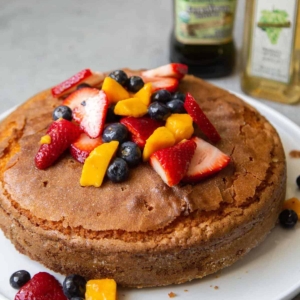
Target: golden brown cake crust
142	232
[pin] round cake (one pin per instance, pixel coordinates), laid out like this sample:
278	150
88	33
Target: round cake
141	232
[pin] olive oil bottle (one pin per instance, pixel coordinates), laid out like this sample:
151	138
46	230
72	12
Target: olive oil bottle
202	36
271	50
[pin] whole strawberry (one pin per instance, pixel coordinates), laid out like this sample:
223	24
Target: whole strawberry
60	135
42	286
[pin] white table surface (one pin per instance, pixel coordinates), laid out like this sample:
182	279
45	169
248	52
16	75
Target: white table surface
44	42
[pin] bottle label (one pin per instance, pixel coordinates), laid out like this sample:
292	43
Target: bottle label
204	21
273	39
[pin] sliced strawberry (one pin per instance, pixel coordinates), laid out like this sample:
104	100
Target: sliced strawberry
174	70
172	163
158	83
76	98
91	113
83	146
42	286
62	134
206	161
198	116
71	82
140	128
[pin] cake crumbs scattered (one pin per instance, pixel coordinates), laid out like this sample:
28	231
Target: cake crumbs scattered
216	287
172	295
295	154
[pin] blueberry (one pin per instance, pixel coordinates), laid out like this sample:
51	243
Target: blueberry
115	132
176	106
161	96
288	218
74	286
62	111
179	96
118	170
111	117
158	111
19	278
120	76
82	85
298	181
131	153
134	84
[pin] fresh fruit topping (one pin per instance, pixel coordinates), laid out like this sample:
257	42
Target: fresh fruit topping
91	114
111	117
71	82
76	98
120	76
144	94
134	84
194	110
62	133
115	132
62	111
293	204
45	139
101	289
178	96
170	84
288	218
207	160
117	170
173	162
174	70
114	90
19	278
132	107
83	85
161	138
161	96
298	181
42	286
74	286
181	125
158	111
140	128
131	153
96	164
83	146
176	106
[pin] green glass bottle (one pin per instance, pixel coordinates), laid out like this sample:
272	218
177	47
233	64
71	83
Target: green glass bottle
202	36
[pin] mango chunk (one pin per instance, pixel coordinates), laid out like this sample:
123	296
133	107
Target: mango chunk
132	107
95	166
101	289
294	204
161	138
181	125
144	94
113	90
46	139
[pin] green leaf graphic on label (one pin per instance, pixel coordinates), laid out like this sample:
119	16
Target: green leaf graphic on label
272	23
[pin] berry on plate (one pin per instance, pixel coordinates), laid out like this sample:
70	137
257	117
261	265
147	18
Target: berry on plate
83	146
91	113
288	218
74	286
42	286
199	117
19	278
62	134
174	70
207	160
172	163
140	128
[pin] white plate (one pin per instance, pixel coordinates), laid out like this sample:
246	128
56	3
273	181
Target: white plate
269	272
